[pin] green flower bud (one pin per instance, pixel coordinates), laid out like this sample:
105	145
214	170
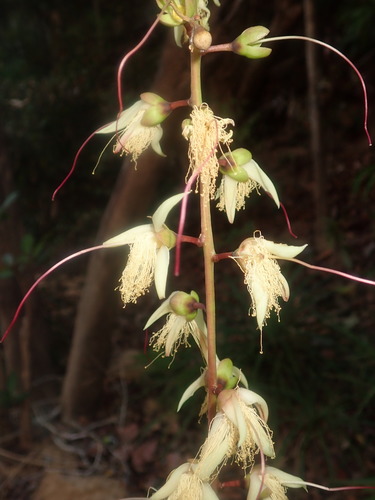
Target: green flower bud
171	16
226	379
166	237
184	304
158	110
248	44
231	164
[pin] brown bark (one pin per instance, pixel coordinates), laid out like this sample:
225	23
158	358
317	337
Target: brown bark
315	131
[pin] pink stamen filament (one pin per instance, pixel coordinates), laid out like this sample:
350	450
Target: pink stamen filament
329	270
41	278
340	54
132	52
287	220
73	165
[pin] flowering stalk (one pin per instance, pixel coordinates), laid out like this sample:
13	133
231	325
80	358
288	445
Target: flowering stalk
208	252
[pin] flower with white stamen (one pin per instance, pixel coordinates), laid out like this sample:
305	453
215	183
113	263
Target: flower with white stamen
149	254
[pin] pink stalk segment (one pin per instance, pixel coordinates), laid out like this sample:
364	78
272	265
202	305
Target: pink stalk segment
331	271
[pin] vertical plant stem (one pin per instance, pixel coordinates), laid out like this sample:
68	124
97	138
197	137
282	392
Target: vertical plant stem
208	253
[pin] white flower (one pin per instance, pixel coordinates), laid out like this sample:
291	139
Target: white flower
239	429
239	180
149	254
185	484
257	258
272	484
184	319
132	135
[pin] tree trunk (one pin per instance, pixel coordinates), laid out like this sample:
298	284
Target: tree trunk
99	304
25	349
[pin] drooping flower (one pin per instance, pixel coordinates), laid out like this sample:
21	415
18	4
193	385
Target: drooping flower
241	176
149	254
271	484
138	127
238	430
257	257
185	318
185	484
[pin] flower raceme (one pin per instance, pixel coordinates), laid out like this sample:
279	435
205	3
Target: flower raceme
149	254
138	127
257	257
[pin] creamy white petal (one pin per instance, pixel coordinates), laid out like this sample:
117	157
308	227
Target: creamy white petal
255	488
164	308
128	237
262	437
124	119
161	271
261	302
282	250
215	449
162	212
190	391
252	398
230	197
174	335
287	480
286	288
155	142
233	412
256	173
240	375
208	493
171	483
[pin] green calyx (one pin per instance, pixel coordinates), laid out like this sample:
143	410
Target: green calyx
248	44
185	304
226	379
176	12
231	164
159	109
166	237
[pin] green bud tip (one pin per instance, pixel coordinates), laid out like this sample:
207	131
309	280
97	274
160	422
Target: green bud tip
166	237
226	379
248	44
184	304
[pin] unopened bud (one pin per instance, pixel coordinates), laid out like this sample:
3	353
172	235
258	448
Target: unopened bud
202	39
158	111
248	44
231	164
226	379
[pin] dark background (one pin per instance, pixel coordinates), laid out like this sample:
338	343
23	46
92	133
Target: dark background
58	64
